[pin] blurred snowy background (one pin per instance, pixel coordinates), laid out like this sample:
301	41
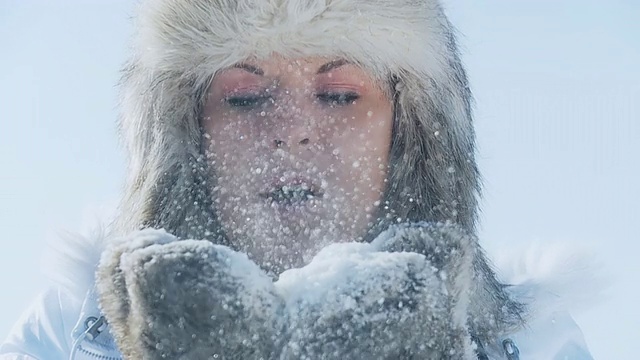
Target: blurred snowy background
557	86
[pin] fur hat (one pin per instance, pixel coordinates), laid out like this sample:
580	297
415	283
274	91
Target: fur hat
181	44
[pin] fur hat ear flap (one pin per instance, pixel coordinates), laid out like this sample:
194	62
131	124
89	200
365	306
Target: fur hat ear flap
160	127
433	173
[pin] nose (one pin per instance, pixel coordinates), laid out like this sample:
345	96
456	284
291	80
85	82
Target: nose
298	132
282	143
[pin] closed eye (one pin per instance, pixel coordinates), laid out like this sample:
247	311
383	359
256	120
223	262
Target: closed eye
246	101
338	98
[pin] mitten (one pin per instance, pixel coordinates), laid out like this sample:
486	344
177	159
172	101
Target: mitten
169	299
391	299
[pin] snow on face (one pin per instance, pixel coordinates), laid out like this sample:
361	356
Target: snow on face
299	150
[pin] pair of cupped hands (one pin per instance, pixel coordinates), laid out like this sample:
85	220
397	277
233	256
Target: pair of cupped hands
402	296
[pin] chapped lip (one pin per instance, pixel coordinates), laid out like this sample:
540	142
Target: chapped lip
281	186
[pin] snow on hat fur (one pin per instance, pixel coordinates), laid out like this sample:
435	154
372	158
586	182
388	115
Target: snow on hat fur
181	44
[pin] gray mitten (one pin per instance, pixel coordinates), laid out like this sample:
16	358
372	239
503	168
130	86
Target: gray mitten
450	252
169	299
402	297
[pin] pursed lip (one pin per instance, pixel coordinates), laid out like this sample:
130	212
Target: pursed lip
292	188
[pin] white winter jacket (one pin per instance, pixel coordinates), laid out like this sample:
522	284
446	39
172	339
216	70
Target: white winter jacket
65	323
54	329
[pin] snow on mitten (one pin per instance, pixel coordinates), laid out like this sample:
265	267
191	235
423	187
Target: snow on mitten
370	301
169	299
450	252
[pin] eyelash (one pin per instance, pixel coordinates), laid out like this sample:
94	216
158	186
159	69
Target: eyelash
246	101
338	98
333	99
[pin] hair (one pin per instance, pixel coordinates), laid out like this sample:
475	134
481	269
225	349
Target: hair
180	44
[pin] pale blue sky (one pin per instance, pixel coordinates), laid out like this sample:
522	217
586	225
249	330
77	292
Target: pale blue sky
557	91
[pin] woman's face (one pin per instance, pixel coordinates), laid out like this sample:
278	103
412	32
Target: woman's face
299	148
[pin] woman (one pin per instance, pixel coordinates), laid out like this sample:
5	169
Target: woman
324	145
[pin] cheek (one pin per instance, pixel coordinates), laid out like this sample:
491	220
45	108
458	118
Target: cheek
367	140
230	134
363	159
226	128
229	152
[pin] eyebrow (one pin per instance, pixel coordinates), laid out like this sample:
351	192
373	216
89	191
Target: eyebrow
323	69
250	68
331	65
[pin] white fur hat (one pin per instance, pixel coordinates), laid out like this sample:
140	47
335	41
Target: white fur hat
410	44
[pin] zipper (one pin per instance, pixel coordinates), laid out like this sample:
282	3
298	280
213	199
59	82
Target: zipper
93	355
511	350
94	328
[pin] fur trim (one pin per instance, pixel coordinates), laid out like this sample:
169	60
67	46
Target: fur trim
72	260
552	277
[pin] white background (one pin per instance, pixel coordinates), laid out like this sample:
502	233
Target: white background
557	90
